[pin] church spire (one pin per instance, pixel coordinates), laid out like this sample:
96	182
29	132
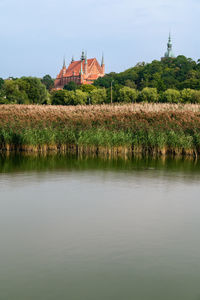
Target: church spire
82	56
64	65
103	64
169	44
72	59
169	52
86	63
102	60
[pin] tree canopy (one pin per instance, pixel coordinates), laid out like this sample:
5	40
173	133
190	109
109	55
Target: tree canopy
169	73
25	90
48	82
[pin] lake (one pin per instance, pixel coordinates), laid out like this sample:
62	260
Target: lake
96	229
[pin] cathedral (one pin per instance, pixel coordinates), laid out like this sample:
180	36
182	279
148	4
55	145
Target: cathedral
83	71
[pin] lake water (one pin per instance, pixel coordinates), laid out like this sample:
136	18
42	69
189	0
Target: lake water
91	229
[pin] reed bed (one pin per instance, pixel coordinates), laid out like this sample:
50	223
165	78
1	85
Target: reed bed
111	130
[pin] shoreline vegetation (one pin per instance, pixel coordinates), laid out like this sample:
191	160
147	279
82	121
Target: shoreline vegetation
102	130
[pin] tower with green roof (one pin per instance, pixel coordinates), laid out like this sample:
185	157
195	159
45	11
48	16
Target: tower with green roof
169	53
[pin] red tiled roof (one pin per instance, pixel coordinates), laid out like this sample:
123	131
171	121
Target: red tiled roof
75	68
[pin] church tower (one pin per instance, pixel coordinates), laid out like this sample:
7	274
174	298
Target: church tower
169	52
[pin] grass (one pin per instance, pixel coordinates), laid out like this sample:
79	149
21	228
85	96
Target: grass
143	128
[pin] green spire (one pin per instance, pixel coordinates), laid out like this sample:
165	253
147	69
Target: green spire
169	52
72	59
82	56
169	37
169	44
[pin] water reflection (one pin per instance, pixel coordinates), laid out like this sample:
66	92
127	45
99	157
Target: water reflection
88	228
30	162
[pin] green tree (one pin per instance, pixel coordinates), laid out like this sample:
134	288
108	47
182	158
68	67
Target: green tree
127	94
149	95
171	96
62	97
79	97
2	94
1	83
191	83
71	86
36	90
48	82
106	80
87	88
190	96
58	97
130	83
196	97
14	92
98	96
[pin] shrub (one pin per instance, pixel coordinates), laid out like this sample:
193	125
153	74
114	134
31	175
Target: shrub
98	96
171	96
148	95
190	96
87	88
127	94
196	97
79	97
71	86
62	97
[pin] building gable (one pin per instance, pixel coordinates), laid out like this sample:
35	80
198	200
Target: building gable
83	71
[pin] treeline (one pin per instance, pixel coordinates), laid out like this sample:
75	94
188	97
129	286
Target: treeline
26	90
124	95
171	80
169	73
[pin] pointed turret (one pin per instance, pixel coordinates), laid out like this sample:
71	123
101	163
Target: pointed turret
81	71
102	60
82	56
72	59
64	65
103	64
86	63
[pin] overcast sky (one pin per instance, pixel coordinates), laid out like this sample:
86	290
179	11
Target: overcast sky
36	34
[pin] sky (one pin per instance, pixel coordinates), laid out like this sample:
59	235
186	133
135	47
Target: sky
35	35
